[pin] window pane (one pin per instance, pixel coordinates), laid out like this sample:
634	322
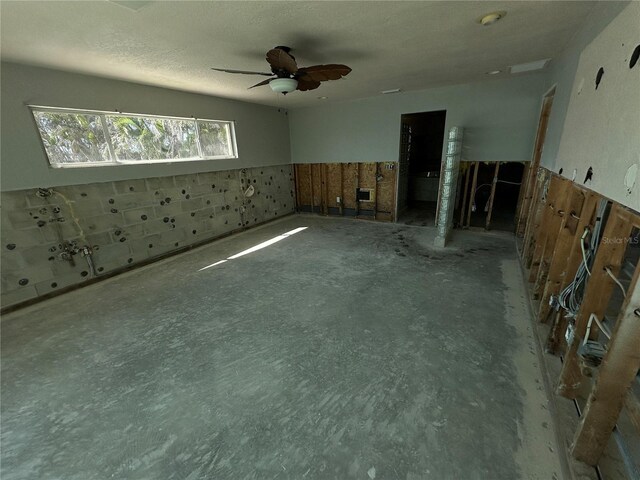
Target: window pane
215	139
144	138
72	137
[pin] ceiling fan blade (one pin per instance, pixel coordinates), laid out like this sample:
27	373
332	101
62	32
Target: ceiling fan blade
281	60
322	73
264	82
244	72
307	83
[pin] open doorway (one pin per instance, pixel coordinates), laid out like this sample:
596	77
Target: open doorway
421	144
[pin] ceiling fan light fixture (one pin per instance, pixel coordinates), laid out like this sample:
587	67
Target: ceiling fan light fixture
283	85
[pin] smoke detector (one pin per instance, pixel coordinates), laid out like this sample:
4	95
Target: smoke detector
491	18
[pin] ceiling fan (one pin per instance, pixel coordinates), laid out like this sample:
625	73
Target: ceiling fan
287	77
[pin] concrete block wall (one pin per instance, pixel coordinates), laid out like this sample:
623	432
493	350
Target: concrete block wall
127	222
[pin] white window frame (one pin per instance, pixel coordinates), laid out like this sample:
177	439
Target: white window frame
113	158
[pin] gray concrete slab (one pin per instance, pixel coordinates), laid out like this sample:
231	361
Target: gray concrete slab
351	349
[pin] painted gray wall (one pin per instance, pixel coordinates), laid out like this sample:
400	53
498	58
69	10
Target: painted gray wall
499	117
562	72
262	132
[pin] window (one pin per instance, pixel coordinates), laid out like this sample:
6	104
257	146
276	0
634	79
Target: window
82	138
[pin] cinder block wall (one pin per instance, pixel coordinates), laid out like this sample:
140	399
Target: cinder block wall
127	222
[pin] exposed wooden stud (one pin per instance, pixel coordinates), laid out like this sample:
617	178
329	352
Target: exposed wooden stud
632	406
617	371
322	183
494	183
574	259
467	178
597	293
357	186
375	198
557	261
546	225
521	193
296	183
325	196
529	185
472	194
535	217
341	206
311	185
559	209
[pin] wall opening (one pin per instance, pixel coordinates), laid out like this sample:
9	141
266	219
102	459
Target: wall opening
489	198
421	145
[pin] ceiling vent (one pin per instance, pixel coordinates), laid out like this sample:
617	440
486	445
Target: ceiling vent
529	67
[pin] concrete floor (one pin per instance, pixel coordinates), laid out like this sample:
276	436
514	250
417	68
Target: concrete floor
352	349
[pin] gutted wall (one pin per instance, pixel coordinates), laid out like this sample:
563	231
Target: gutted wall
127	222
262	132
126	214
598	127
499	117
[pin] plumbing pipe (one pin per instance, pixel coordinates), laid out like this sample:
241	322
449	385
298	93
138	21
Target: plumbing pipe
86	253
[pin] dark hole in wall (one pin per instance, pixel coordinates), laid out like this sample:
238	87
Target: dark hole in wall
634	57
599	76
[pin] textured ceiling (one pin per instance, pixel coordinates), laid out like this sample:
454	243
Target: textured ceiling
392	44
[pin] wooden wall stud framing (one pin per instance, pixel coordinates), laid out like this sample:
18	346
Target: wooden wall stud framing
559	209
565	240
472	194
311	185
587	215
341	189
549	208
617	371
597	293
519	222
467	177
535	217
494	183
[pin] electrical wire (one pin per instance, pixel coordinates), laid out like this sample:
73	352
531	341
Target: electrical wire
584	255
613	277
593	317
510	183
571	297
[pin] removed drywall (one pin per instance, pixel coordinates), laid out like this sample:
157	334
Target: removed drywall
124	223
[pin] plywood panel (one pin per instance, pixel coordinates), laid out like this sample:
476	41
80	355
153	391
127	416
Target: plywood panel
334	184
386	193
327	181
367	175
317	185
350	171
303	184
